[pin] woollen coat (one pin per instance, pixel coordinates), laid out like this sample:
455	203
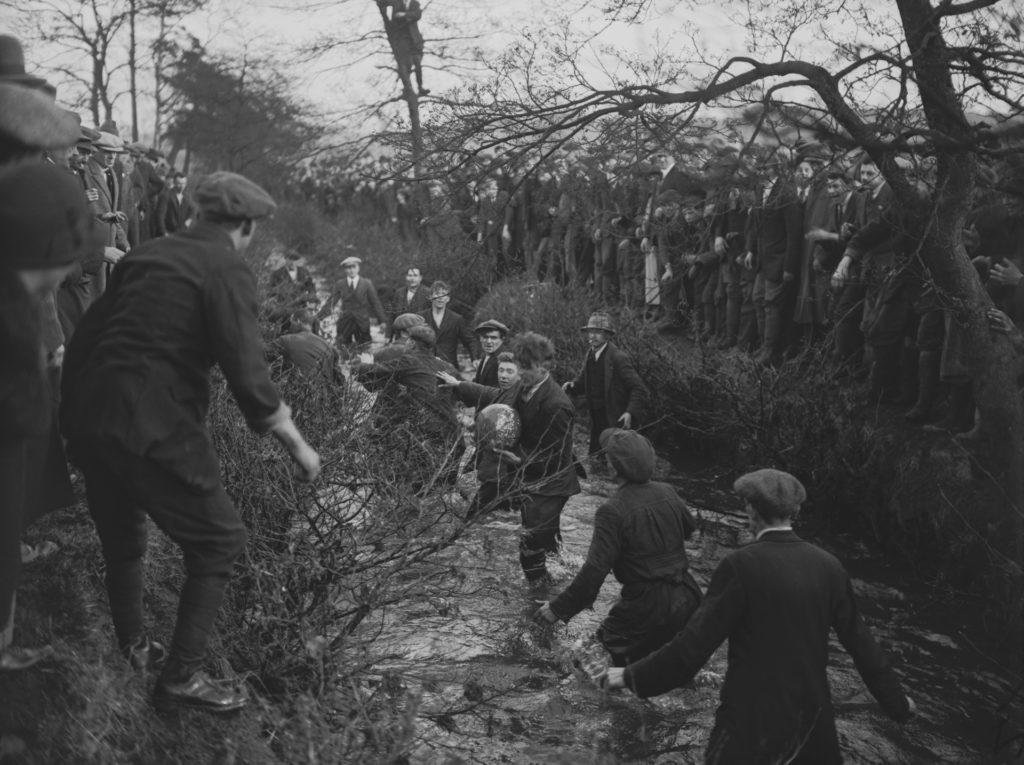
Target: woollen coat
776	601
624	391
452	331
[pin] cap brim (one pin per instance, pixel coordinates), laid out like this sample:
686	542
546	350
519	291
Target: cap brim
33	119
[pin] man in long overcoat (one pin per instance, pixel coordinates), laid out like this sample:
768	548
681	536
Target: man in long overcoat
776	601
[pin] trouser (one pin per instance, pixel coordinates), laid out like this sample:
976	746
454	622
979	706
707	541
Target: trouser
350	330
599	422
733	310
629	265
123	489
541	516
848	315
604	270
14	480
489	497
774	300
749	336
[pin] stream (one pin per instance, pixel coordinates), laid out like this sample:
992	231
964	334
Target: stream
495	688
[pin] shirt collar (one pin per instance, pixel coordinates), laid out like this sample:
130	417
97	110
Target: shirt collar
762	532
599	351
528	393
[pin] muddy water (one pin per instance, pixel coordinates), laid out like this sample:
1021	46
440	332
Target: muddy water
494	688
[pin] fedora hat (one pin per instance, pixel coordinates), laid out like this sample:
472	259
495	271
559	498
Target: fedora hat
12	67
601	321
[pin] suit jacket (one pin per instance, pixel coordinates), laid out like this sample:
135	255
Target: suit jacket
453	330
172	214
96	178
401	304
487	372
137	371
357	303
775	601
778	234
624	391
545	444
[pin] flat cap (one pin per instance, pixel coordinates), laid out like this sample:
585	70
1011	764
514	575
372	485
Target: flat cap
491	325
774	490
632	455
45	221
109	143
224	196
423	335
154	154
407	321
351	260
32	119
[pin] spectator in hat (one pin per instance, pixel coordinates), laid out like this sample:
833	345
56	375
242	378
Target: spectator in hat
107	182
399	336
135	396
616	396
640	534
358	298
175	209
450	327
291	288
776	601
491	334
45	225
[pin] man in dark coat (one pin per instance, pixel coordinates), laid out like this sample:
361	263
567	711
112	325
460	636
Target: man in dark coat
135	396
301	349
449	326
491	334
404	29
616	396
175	209
415	298
775	601
640	535
547	468
358	298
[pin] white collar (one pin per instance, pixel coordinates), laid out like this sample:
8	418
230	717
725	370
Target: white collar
599	351
762	532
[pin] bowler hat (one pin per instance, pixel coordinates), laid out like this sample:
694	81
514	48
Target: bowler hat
45	221
12	68
491	325
601	321
351	260
32	118
224	196
773	490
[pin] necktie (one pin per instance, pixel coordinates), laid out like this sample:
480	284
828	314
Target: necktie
351	283
111	187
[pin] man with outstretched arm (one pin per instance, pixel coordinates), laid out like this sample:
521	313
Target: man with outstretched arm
136	391
775	601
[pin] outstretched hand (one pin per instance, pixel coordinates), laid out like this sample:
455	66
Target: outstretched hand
446	379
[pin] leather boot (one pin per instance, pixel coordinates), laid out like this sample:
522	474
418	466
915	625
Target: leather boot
927	386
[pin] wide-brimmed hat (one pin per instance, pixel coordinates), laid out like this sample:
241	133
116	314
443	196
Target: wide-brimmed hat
351	260
601	321
12	68
45	221
491	325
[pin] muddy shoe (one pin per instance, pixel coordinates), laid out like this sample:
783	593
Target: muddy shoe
145	654
200	692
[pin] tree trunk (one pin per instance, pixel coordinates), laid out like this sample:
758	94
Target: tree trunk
133	92
158	68
990	360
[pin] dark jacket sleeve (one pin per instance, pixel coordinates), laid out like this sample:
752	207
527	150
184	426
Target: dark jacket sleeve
605	547
230	306
679	661
794	217
624	370
161	214
378	308
867	656
474	394
468	339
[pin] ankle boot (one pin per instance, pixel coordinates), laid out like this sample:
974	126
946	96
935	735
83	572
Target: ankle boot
927	385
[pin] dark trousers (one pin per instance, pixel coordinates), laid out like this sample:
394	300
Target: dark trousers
598	422
351	330
542	533
14	493
123	489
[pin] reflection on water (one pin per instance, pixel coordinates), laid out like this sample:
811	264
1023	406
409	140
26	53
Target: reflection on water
494	688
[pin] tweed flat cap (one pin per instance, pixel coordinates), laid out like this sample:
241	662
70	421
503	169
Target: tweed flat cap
491	325
351	260
45	221
407	321
599	321
632	455
423	335
109	143
224	196
774	489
